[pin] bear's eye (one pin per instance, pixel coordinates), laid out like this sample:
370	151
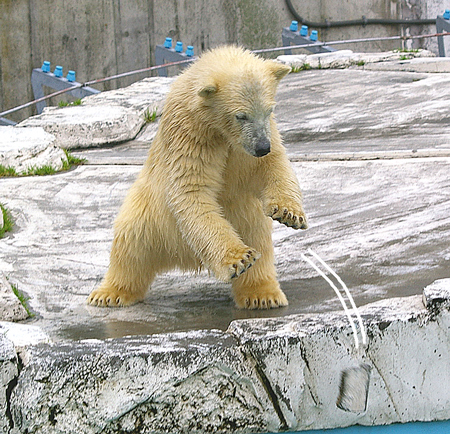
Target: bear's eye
242	117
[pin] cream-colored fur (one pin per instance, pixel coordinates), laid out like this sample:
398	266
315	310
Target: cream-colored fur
205	196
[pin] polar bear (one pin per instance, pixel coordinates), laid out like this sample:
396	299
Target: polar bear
216	174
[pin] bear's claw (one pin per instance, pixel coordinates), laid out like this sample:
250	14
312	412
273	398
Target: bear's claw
242	261
292	219
260	297
102	297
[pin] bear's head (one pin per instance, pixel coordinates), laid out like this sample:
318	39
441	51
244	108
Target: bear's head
237	96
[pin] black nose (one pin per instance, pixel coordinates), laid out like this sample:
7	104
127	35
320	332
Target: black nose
262	147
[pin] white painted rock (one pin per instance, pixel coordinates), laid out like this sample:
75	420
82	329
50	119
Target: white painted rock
22	148
10	307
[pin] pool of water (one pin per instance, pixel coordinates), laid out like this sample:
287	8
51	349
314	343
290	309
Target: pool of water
442	427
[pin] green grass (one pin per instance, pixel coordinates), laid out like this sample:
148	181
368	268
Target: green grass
361	63
66	103
72	161
23	299
304	67
7	221
68	163
404	50
7	171
40	171
150	116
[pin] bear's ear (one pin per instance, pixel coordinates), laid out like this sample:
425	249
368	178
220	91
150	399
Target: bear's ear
207	90
278	70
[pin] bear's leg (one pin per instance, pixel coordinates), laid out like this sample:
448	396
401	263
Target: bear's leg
258	287
129	275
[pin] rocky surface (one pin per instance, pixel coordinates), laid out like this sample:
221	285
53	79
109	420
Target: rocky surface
106	118
347	58
258	376
371	151
9	369
25	148
10	309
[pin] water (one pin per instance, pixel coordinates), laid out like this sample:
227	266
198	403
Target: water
442	427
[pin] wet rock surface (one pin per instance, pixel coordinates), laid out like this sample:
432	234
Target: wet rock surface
259	375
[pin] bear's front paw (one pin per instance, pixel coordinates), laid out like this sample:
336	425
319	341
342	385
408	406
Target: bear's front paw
291	216
238	262
111	297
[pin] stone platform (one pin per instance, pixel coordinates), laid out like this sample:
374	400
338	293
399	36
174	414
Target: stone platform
372	154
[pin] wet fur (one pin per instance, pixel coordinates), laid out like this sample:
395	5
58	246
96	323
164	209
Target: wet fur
203	199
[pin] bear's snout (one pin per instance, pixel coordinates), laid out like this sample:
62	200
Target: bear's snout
262	147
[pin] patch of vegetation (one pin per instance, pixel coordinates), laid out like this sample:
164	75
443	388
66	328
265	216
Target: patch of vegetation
68	163
7	221
23	299
7	171
150	116
67	104
46	169
72	161
404	50
304	67
361	63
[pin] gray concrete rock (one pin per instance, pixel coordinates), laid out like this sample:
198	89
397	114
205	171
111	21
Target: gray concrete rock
428	65
303	358
437	293
261	375
23	148
23	335
185	382
146	94
383	225
11	308
347	58
104	118
81	127
8	378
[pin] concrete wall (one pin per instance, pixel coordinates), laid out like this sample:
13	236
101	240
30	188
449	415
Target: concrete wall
102	38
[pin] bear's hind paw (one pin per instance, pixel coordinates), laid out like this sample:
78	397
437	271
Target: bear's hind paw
112	298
